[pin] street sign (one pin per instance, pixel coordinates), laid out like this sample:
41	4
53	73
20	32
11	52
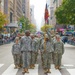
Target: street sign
20	25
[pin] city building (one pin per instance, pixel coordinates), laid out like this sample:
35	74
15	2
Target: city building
2	6
17	9
27	9
53	6
13	10
32	20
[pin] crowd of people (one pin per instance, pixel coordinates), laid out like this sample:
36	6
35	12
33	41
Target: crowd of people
26	47
6	38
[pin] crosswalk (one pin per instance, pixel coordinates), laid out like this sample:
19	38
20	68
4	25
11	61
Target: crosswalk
1	65
54	71
11	71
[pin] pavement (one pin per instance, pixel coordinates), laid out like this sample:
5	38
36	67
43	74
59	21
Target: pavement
7	66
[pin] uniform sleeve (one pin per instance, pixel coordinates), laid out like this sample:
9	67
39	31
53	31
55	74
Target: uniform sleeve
62	48
13	49
54	46
21	43
49	35
41	47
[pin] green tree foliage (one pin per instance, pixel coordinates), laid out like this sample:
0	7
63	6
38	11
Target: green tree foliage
26	25
65	14
2	20
46	27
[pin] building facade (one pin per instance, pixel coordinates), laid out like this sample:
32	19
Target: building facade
13	10
53	6
27	9
2	6
32	14
17	9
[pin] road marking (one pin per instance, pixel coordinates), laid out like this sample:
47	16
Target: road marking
10	70
68	65
33	71
54	71
1	65
71	71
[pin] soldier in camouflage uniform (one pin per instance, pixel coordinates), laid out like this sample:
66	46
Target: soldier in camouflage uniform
58	52
47	49
19	35
37	47
25	43
33	52
16	52
41	39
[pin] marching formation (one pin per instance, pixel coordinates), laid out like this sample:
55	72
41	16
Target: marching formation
26	48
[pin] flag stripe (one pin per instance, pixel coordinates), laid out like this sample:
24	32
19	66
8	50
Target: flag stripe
46	13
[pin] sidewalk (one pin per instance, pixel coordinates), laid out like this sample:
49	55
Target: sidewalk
68	45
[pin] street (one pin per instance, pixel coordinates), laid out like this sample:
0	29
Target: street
7	66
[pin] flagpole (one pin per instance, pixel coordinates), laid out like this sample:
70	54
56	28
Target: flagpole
44	34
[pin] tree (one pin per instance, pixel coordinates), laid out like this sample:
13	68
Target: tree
33	28
45	27
2	20
26	25
65	14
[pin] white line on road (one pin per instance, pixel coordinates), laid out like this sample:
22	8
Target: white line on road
1	65
71	71
68	65
54	71
33	71
10	70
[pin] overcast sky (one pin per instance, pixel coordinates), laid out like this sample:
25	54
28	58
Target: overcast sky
39	7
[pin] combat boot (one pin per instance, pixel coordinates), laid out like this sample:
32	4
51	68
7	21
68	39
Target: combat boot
45	71
48	71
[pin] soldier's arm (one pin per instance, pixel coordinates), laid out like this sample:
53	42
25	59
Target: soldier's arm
63	48
13	49
21	43
41	47
49	34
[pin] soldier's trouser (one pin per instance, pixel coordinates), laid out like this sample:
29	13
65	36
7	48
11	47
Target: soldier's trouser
36	55
32	59
47	57
21	61
57	59
53	57
26	59
42	58
16	59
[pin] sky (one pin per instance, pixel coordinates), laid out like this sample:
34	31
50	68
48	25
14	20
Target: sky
39	8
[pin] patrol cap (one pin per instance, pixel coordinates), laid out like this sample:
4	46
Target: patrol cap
27	31
32	35
58	36
17	38
46	36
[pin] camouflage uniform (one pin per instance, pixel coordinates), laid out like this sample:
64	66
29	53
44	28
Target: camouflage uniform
47	54
58	51
16	54
25	43
37	48
34	51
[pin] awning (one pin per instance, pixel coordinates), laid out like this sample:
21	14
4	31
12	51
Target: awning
12	25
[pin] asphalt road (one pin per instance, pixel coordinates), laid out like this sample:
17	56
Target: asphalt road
7	67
